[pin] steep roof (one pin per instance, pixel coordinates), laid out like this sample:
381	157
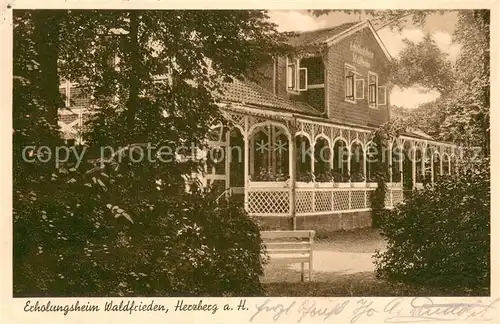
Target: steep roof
248	92
329	36
319	36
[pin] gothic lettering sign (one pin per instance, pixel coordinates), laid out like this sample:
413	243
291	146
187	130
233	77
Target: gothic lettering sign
360	54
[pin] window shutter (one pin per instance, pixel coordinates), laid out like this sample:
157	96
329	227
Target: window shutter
360	89
302	79
290	76
382	96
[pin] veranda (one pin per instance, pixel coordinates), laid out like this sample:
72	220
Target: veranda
287	164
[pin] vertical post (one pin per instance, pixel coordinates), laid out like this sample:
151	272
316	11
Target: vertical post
313	160
432	168
269	145
246	136
251	155
364	173
227	161
389	165
349	173
414	166
292	168
311	245
401	165
441	165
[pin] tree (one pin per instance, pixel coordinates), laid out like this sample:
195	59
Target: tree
468	106
463	109
120	217
423	64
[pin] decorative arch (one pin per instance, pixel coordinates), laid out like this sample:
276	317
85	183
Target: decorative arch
269	123
323	157
357	161
268	151
304	134
303	156
341	159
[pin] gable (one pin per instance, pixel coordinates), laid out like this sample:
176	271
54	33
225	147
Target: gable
363	33
362	50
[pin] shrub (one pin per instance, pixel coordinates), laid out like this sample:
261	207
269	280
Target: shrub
82	234
441	236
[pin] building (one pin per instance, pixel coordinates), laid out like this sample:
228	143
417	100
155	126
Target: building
299	150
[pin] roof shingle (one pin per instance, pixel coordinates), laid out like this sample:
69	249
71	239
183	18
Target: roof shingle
319	36
249	92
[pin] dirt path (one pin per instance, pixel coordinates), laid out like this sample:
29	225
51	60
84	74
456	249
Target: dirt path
342	253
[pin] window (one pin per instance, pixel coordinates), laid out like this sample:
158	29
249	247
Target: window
382	96
372	89
349	83
296	77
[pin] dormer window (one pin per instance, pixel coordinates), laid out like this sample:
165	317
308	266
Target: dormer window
296	77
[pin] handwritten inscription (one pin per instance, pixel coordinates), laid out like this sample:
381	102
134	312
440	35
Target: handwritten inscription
421	309
399	310
307	308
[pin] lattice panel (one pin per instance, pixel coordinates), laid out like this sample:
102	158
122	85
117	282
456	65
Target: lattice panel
341	200
304	203
353	135
358	199
307	128
317	129
345	134
237	119
256	120
336	133
269	202
323	201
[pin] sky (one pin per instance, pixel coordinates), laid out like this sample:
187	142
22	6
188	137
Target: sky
441	27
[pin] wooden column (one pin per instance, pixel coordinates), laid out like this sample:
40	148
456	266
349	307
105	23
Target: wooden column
292	167
246	161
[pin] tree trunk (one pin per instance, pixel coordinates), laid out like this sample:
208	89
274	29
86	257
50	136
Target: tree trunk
47	25
134	81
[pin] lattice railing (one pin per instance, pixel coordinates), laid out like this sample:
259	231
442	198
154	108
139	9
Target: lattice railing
315	201
268	202
318	201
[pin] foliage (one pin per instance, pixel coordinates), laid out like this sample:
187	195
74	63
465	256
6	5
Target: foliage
164	241
324	176
395	19
423	64
69	242
267	174
468	106
305	176
440	236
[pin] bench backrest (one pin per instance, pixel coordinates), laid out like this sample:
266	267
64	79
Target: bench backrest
288	242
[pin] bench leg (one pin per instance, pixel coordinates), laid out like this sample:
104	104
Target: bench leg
310	272
302	272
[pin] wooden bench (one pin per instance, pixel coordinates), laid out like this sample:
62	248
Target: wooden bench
290	247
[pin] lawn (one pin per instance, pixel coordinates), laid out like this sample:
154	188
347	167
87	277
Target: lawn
346	277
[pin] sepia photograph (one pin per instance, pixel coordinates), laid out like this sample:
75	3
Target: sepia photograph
250	153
